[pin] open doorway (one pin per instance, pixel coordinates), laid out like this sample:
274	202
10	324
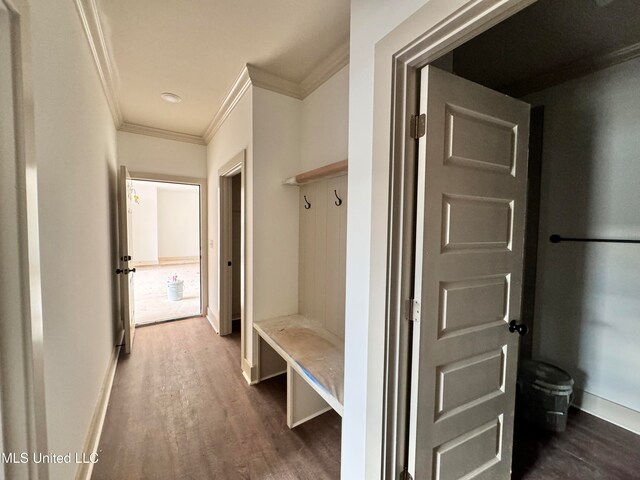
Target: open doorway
231	248
571	279
166	251
236	247
580	78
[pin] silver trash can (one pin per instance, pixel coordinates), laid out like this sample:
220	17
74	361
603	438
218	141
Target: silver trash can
545	394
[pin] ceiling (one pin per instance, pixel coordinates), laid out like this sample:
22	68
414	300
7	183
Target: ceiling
197	49
546	37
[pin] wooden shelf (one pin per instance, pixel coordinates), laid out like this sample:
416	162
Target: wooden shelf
328	171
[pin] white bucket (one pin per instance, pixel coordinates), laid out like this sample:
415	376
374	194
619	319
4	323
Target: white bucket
175	290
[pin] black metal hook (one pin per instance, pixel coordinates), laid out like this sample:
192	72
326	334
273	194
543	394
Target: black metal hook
339	201
307	204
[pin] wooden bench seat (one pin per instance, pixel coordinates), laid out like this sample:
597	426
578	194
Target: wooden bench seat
315	365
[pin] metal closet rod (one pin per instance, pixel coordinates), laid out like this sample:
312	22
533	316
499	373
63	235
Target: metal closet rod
558	239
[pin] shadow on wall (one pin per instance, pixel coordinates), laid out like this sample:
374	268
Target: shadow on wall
562	269
565	270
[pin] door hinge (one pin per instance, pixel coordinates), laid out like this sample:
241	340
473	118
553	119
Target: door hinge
413	310
405	475
418	126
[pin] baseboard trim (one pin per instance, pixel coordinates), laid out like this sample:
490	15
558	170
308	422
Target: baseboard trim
213	320
612	412
97	422
144	263
177	260
250	372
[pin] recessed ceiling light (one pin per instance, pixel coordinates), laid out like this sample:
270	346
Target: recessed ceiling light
170	97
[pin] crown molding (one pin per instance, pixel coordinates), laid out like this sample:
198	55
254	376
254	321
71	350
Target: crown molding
250	75
254	76
161	133
571	71
325	70
241	85
94	34
269	81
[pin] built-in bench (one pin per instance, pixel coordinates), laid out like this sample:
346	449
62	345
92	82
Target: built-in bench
315	365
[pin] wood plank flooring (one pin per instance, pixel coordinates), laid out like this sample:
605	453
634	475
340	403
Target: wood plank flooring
180	409
590	449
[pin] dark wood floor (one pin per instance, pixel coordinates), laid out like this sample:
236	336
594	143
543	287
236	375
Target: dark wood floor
590	449
180	409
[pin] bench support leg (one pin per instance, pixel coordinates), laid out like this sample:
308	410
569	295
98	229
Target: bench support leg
303	402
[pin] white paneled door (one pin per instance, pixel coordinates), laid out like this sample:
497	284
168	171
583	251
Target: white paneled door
472	181
125	219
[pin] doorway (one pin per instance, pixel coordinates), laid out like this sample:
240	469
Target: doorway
231	249
236	247
166	249
568	308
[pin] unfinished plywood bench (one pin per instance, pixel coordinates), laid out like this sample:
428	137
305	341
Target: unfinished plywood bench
315	365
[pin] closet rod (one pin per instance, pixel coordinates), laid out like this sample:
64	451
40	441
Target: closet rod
558	239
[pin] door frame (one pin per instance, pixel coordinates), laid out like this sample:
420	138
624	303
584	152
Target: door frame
225	235
23	408
204	250
399	56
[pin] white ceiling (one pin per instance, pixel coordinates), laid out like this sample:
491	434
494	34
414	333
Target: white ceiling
197	49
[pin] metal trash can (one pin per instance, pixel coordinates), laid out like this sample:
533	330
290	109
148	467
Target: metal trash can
175	290
545	394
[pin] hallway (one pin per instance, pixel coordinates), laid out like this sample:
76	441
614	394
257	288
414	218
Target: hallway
180	408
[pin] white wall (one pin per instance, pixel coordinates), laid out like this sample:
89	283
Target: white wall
362	421
324	119
588	296
76	155
267	123
145	223
276	155
166	221
235	135
142	153
284	136
178	222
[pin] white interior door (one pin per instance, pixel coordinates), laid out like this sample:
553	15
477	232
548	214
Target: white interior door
125	218
470	234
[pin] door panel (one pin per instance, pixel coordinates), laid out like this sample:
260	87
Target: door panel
469	247
125	219
476	223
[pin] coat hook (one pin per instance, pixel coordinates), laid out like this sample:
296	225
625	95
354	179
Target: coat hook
307	204
338	202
